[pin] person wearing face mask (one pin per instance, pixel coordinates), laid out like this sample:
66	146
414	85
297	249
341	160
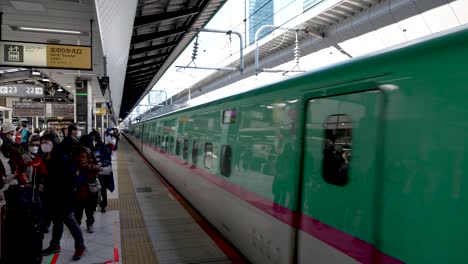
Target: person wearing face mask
34	162
13	151
70	140
59	195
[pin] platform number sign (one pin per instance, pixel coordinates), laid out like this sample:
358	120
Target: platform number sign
13	53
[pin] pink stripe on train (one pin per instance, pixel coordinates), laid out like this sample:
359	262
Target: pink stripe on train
356	248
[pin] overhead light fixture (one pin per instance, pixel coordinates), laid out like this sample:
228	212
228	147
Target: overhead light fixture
60	89
46	80
78	74
48	30
68	86
35	73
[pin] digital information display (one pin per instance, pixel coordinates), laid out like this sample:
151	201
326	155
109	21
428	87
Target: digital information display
21	90
28	109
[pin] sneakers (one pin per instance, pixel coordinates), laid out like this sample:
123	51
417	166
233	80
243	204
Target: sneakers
79	253
90	229
50	250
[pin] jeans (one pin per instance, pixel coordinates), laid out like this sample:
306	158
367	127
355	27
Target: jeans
58	219
103	203
89	206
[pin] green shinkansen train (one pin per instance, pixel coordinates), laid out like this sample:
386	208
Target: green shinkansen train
361	162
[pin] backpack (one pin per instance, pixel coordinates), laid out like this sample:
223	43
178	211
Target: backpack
28	134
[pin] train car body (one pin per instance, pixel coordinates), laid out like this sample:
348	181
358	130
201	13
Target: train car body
361	162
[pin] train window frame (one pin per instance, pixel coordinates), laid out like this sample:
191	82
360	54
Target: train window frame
225	162
195	152
178	143
336	161
185	149
229	116
208	155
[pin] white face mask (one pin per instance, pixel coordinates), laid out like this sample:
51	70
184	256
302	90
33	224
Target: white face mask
34	149
78	134
1	142
11	137
47	147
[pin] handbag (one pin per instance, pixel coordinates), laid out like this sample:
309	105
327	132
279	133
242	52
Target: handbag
106	170
95	186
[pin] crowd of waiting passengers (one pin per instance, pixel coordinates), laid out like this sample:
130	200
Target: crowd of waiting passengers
68	174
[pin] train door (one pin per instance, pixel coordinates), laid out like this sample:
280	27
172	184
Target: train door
338	217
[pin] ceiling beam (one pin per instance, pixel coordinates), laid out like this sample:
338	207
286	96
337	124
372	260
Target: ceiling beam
160	34
144	20
143	67
152	48
147	58
140	75
132	78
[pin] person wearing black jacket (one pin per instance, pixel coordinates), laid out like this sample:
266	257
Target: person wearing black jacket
70	140
59	195
103	155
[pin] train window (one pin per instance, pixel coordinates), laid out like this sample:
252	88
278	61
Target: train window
185	150
229	116
226	154
171	144
166	143
177	146
337	149
208	157
195	153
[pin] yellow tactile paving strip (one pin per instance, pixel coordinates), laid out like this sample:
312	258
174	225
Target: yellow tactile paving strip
113	204
136	242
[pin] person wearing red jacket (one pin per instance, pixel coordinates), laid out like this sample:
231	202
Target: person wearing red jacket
88	167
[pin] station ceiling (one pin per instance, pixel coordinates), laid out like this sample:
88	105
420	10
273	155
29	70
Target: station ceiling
75	15
161	31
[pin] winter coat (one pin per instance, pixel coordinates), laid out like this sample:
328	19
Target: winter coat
60	181
88	170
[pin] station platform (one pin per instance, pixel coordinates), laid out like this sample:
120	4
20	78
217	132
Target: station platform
147	221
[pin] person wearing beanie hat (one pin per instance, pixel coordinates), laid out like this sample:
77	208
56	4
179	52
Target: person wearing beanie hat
59	195
11	150
9	131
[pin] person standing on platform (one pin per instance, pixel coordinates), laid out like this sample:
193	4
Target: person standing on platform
86	197
104	158
59	195
18	135
24	136
70	140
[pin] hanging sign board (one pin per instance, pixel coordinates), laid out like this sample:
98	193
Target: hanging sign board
64	110
21	90
28	109
24	54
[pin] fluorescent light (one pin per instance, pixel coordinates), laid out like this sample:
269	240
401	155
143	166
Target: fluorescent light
60	89
45	80
68	86
50	30
76	73
36	73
